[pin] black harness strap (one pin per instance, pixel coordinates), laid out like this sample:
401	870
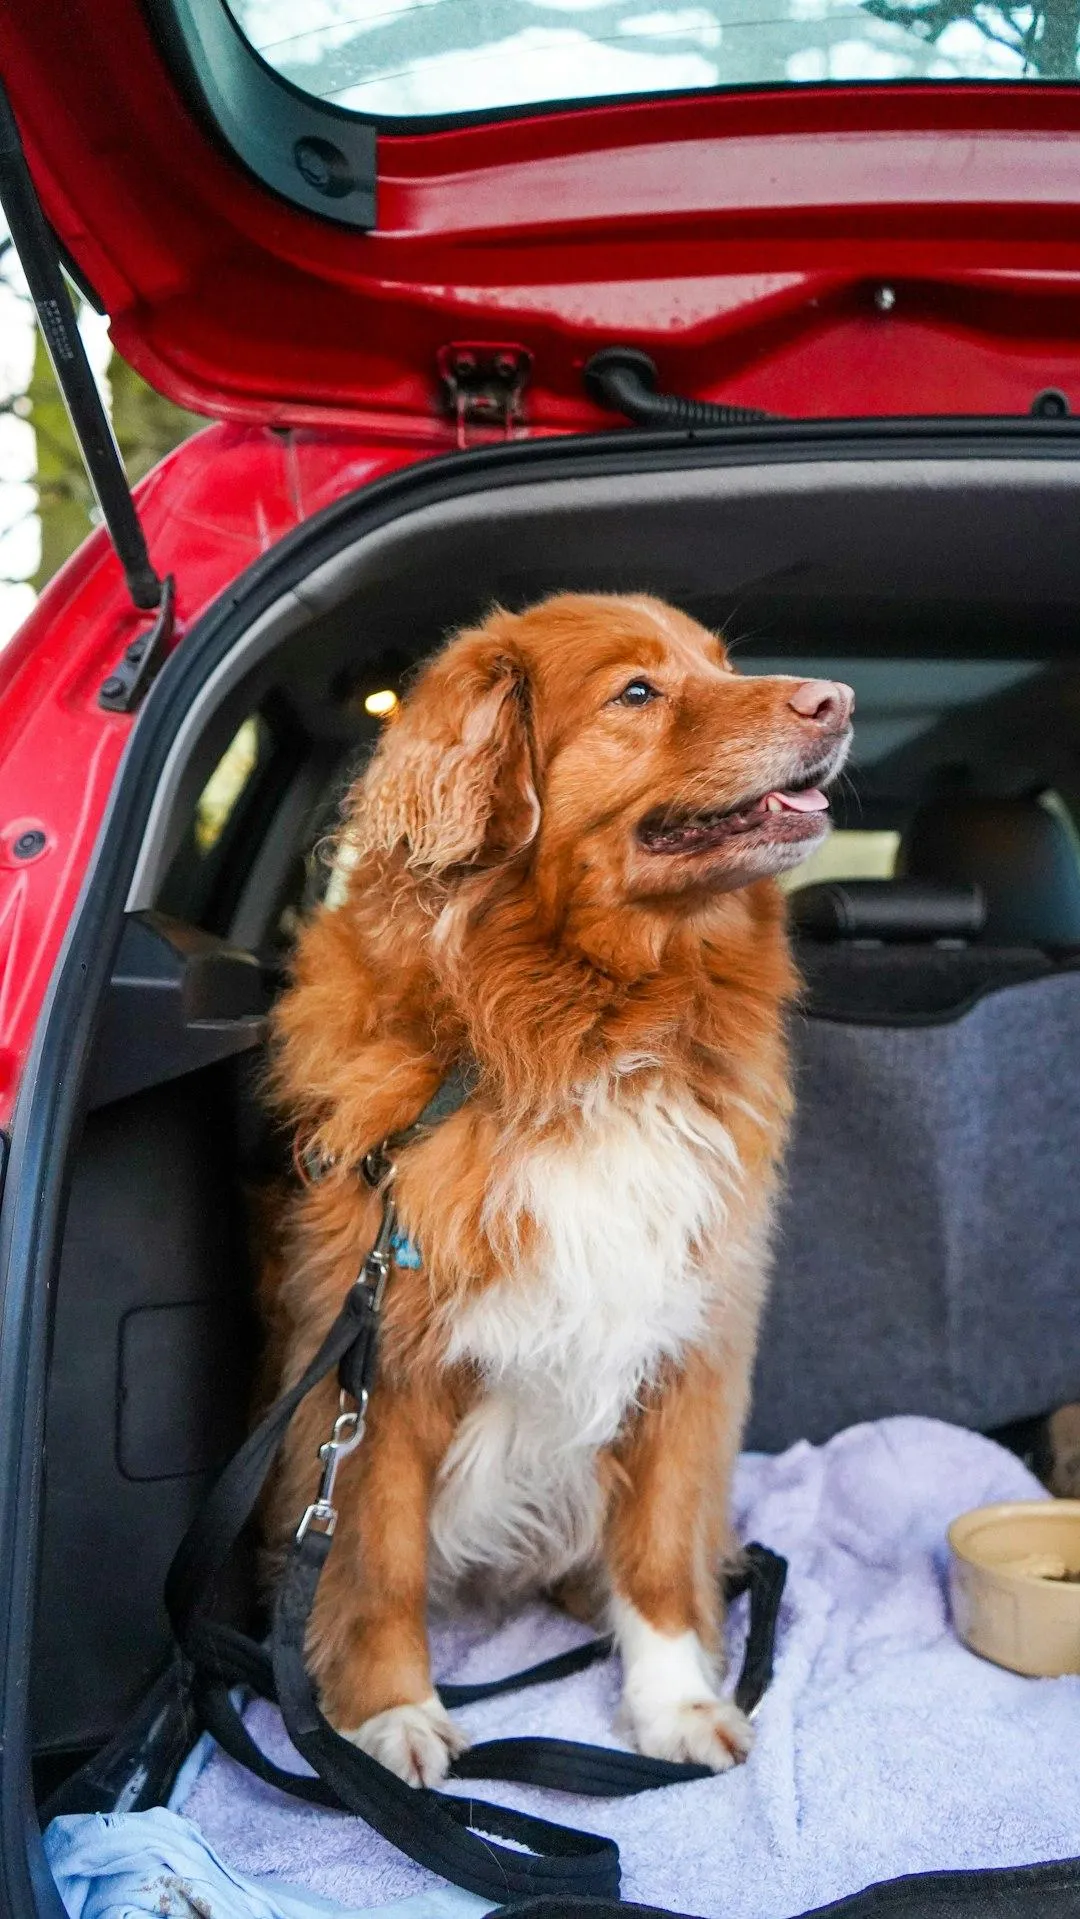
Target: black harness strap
454	1837
448	1098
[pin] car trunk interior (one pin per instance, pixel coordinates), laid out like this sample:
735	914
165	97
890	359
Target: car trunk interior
933	1092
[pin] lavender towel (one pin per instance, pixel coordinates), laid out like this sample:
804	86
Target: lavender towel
883	1747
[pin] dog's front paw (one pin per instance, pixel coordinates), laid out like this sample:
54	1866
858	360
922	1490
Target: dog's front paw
416	1742
701	1732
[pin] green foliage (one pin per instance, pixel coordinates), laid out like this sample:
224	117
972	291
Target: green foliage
64	496
147	426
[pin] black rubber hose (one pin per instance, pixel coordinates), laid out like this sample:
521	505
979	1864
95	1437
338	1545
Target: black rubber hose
622	379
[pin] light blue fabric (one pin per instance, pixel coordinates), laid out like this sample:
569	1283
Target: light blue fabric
156	1865
197	1758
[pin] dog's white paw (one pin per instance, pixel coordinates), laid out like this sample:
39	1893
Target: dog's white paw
416	1742
670	1706
701	1732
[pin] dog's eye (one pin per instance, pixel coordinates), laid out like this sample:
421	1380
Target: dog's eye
638	693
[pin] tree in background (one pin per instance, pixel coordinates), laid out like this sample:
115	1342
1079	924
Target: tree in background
146	425
1043	38
61	500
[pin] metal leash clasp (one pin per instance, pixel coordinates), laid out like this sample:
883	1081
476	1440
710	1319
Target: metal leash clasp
348	1428
375	1270
348	1431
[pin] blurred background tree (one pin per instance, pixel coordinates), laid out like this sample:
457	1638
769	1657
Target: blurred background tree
46	504
146	425
1042	39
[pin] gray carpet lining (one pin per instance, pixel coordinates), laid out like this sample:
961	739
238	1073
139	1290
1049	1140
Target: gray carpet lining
927	1252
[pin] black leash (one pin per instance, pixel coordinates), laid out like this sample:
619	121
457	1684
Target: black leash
454	1837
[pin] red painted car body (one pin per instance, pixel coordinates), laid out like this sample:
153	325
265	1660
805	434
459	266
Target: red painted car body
742	239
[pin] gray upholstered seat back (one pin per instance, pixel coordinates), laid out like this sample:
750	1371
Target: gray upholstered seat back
928	1252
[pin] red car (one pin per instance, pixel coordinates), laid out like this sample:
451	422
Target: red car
797	351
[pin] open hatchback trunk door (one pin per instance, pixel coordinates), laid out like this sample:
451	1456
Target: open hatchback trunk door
383	219
772	313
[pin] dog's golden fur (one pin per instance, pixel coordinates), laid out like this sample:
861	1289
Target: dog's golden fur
623	1003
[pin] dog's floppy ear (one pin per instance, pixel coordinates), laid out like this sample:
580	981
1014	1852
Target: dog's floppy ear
453	776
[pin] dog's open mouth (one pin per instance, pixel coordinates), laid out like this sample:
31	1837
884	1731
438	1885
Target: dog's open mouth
788	815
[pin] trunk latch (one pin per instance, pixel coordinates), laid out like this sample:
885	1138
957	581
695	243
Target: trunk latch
483	386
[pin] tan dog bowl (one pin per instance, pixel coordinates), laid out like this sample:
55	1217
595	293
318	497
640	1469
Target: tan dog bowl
1014	1582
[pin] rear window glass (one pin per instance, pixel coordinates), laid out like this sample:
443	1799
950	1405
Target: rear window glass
223	790
440	57
847	855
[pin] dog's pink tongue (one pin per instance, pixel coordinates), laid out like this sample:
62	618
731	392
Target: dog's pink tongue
811	801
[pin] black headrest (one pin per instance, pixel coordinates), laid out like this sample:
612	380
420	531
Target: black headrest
1017	851
888	910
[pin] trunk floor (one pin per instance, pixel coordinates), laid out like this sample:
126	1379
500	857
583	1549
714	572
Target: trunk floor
883	1746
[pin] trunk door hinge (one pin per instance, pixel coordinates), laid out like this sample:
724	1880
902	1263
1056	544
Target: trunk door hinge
484	386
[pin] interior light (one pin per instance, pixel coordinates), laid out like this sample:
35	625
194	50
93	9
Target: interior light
380	704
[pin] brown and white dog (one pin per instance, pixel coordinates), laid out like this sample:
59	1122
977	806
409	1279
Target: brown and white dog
563	856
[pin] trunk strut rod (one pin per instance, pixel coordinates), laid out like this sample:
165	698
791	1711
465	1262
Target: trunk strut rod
37	250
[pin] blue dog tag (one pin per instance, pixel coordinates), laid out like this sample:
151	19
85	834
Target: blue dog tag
405	1253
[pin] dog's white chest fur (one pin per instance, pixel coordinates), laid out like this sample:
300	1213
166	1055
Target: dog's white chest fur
613	1286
